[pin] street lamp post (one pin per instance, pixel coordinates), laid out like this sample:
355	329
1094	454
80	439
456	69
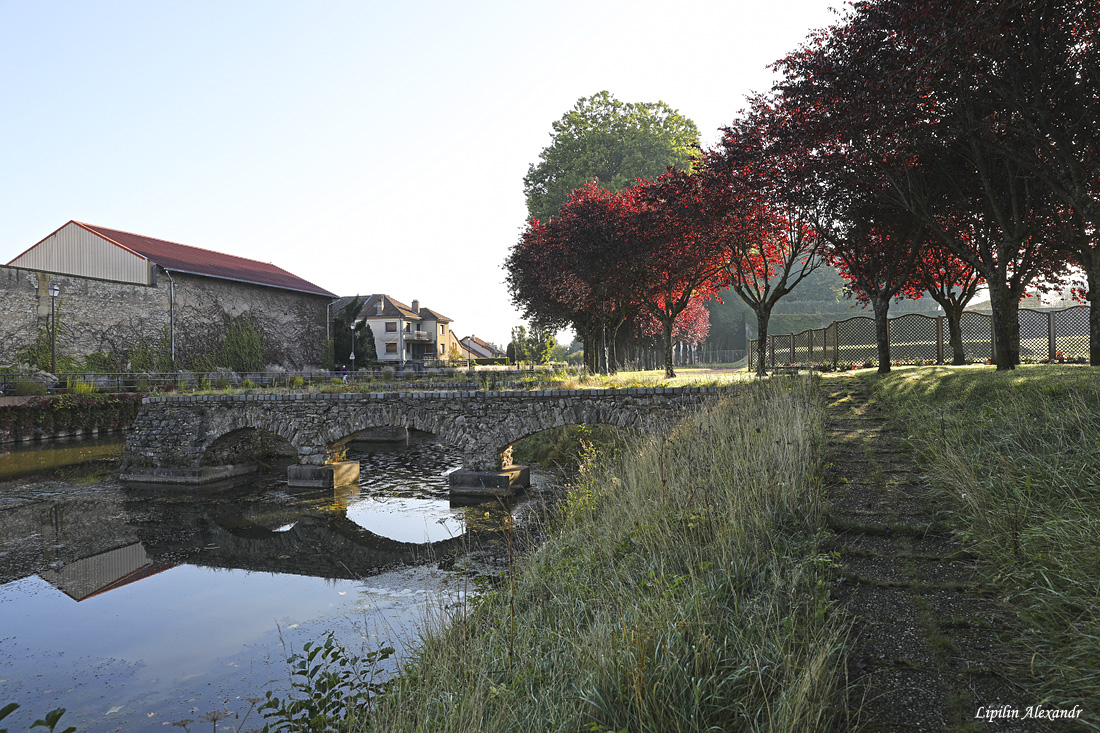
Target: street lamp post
54	292
352	357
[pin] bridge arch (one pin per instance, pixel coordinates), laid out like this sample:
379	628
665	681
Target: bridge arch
246	444
174	435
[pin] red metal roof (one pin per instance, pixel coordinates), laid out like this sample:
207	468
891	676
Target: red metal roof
195	260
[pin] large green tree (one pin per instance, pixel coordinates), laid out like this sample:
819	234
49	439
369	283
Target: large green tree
612	141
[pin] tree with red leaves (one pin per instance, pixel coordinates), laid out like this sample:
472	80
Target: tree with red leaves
952	283
690	327
570	271
894	100
767	246
673	257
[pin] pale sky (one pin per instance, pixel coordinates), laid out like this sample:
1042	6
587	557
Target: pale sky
365	146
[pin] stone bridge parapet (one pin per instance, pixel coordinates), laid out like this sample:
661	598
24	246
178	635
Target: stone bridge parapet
196	435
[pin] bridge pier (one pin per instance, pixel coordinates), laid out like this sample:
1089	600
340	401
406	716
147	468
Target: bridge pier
328	476
489	473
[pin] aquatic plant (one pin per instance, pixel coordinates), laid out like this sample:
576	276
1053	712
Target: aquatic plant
329	683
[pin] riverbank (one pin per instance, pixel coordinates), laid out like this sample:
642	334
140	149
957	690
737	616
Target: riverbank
683	588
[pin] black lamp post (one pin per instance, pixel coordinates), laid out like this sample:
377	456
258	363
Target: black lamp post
54	292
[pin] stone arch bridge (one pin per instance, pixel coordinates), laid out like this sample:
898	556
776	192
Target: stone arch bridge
196	439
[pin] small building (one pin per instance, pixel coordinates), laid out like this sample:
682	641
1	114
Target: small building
407	333
120	291
481	349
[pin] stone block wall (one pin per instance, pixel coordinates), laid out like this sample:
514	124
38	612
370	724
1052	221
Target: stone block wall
100	315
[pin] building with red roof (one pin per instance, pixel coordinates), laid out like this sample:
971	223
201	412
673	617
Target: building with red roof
121	292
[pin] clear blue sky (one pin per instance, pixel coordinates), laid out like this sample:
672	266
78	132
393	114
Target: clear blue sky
365	146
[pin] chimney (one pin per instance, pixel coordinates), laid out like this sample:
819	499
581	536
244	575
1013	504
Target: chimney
416	307
381	303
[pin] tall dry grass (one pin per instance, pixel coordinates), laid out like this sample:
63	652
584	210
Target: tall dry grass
682	589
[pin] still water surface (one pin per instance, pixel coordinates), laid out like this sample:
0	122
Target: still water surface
134	608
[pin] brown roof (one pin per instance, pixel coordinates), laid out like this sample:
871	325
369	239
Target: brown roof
197	261
396	309
491	348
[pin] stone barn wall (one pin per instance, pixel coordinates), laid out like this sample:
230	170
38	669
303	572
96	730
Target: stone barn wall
106	316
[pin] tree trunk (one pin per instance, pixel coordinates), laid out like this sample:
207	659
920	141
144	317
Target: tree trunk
763	315
669	371
955	334
591	351
613	346
1006	327
1092	275
881	309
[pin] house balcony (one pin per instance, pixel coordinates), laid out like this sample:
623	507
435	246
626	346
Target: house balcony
418	336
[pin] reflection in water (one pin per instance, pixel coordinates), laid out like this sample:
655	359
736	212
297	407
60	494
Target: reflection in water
132	607
21	459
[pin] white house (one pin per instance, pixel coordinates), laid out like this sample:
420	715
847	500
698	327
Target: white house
405	333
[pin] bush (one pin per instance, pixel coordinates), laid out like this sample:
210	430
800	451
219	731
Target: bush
29	388
387	374
79	386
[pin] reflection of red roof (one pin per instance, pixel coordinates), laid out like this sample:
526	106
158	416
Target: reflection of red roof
145	571
197	261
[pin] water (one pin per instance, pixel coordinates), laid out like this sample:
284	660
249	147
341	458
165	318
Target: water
135	607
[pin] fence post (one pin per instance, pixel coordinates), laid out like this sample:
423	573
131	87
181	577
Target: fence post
939	339
811	345
771	351
1052	343
836	344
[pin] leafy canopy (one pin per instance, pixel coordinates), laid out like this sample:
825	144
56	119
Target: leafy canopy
612	141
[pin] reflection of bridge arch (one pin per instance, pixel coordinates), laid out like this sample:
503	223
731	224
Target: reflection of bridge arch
173	434
339	548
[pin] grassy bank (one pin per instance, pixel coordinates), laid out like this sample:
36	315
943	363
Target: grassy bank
1014	460
681	589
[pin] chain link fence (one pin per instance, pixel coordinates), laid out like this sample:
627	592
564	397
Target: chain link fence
1045	335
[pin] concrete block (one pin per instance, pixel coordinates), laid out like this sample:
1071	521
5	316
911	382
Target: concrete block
327	476
490	483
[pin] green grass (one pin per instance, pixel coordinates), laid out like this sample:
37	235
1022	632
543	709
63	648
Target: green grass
1015	463
681	588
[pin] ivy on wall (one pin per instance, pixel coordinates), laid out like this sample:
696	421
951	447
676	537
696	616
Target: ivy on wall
66	413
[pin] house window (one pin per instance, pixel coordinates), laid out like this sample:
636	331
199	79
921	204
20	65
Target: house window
391	326
442	330
391	348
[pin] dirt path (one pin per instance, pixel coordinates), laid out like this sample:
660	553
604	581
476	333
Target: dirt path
926	651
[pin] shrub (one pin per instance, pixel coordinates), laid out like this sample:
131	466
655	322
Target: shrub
29	388
79	386
387	374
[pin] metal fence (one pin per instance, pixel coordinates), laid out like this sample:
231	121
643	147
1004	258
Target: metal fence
1044	335
372	380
